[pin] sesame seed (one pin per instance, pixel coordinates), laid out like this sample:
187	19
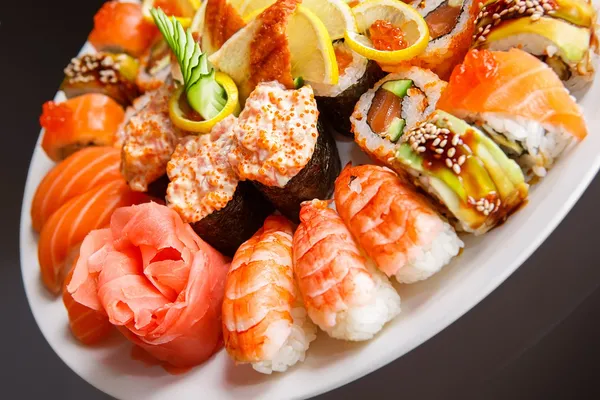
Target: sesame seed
455	139
449	162
547	6
439	151
444	143
421	149
436	141
479	208
456	169
535	17
462	159
522	10
496	16
486	212
451	152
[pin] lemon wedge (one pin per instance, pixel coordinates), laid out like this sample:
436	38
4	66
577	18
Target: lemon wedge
186	7
336	15
311	49
249	9
398	14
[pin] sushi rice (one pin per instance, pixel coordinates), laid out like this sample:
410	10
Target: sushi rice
293	349
352	74
534	146
364	322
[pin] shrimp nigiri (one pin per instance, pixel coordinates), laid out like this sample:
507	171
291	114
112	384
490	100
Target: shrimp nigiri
264	321
73	176
120	27
68	226
394	225
90	119
343	295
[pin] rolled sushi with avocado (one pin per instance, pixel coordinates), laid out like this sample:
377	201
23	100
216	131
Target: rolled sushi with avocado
562	33
279	146
357	74
475	184
395	105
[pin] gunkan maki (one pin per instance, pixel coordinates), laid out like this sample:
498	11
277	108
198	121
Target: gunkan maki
357	74
281	148
205	191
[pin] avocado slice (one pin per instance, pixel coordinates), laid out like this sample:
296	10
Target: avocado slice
501	140
399	87
572	41
485	171
396	129
577	12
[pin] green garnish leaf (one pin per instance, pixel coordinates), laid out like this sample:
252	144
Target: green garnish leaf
204	94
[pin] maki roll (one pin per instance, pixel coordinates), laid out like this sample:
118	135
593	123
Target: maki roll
451	25
205	192
148	139
155	66
519	102
393	106
356	75
476	185
280	146
110	74
559	32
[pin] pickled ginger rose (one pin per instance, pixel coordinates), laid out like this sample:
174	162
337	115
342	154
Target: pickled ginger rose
157	281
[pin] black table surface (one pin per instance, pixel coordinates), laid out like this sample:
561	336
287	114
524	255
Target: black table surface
535	337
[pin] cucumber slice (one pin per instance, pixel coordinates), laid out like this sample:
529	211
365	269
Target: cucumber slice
399	88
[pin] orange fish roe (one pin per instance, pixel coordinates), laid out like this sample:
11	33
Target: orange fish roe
202	181
477	66
55	116
386	36
343	58
149	140
269	146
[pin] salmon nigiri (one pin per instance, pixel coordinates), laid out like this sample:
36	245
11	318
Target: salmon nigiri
87	325
88	120
68	226
73	176
343	294
394	225
120	27
519	101
264	321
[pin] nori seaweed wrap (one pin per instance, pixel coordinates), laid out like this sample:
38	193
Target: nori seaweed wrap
315	181
229	227
280	146
336	102
205	191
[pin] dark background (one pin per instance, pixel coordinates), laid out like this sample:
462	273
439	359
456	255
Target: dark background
536	337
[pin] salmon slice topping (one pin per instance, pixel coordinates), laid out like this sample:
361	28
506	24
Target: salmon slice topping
442	20
385	107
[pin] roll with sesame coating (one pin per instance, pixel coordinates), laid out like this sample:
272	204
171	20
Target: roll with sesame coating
279	145
475	185
204	191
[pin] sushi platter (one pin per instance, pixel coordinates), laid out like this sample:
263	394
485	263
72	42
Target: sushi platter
269	199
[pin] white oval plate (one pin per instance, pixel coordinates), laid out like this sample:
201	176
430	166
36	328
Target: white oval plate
427	307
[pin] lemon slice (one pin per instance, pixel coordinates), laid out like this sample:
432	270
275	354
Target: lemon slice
188	8
336	15
312	53
398	14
